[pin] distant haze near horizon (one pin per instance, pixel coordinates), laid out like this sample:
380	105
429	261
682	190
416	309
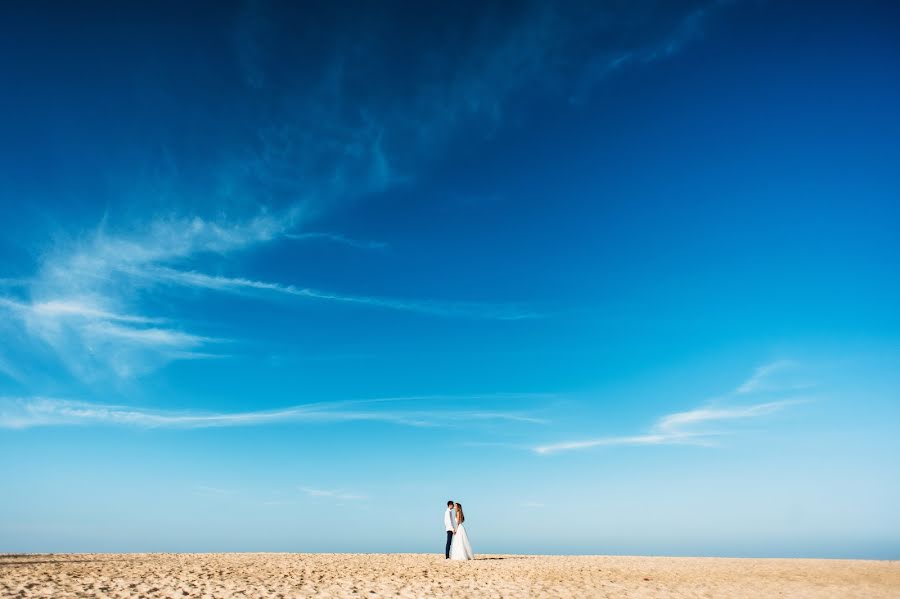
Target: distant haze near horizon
621	278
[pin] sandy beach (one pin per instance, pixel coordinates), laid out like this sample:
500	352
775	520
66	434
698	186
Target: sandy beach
280	575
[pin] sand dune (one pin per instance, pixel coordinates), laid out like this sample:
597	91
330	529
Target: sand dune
280	575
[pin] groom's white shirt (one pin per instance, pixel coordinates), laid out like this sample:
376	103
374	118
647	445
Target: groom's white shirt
449	520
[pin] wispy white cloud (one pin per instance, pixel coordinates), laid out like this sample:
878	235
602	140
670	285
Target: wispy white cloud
27	412
689	427
86	303
437	308
338	495
84	306
81	310
676	423
164	239
62	308
337	238
91	339
154	337
342	138
760	380
634	440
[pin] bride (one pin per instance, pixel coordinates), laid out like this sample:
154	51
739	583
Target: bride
460	549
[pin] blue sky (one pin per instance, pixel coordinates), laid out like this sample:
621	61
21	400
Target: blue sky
620	279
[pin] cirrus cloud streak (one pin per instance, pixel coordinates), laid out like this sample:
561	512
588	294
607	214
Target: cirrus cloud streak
689	427
29	412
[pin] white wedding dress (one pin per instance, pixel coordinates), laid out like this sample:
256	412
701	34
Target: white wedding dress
460	548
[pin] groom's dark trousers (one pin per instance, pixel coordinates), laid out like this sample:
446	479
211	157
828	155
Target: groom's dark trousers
449	541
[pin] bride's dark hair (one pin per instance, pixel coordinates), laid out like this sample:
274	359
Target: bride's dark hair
462	517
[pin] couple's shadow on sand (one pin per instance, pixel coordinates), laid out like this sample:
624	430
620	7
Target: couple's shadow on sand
511	557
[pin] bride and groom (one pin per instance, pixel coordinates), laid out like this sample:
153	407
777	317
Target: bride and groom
457	540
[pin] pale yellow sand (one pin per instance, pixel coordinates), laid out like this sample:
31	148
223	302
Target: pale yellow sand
414	575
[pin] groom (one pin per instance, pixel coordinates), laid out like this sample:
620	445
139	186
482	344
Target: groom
450	525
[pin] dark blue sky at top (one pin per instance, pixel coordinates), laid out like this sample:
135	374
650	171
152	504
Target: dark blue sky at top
673	194
739	184
770	135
